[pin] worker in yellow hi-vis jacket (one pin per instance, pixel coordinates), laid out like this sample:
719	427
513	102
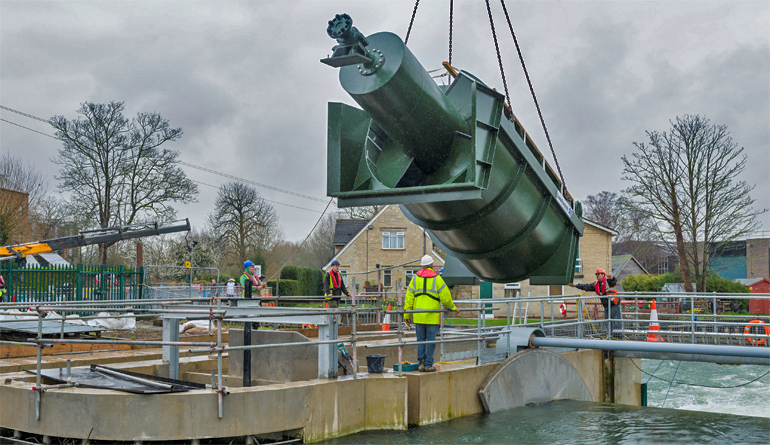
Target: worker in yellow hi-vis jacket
427	290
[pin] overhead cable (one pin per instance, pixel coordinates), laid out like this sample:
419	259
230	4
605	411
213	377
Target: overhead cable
187	164
274	202
269	187
26	115
27	128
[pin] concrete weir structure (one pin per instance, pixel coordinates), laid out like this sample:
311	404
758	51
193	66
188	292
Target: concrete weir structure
290	405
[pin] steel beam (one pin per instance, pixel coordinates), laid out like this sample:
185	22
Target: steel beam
171	353
327	353
673	348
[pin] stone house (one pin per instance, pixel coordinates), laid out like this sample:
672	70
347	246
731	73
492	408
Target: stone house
388	240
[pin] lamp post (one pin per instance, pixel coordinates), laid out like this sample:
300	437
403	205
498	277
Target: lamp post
190	246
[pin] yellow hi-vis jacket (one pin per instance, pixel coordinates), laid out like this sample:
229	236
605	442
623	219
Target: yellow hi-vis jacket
427	291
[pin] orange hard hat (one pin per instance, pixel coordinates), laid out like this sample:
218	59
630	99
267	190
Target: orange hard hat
601	271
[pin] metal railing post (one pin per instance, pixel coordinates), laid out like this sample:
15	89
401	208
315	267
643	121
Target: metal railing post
353	343
542	312
400	319
441	335
552	328
38	389
508	324
579	306
714	308
479	315
692	319
220	390
636	312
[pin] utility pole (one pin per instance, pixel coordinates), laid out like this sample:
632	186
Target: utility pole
190	246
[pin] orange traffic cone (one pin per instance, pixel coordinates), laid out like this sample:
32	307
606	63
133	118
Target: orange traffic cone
386	321
652	331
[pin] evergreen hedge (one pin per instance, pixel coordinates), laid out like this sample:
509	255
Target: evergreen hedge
653	283
300	281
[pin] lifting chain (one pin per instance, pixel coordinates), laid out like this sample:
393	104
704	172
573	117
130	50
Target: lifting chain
451	10
411	22
531	89
499	59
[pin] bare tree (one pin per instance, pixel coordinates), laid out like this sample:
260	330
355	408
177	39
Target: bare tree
319	248
657	194
604	208
721	208
634	234
684	186
22	188
282	253
244	222
365	213
114	168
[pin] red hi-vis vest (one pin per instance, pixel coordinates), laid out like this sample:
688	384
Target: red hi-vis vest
335	282
601	289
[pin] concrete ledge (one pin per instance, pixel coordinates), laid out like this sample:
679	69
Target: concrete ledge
323	409
439	396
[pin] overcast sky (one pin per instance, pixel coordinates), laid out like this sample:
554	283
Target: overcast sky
244	82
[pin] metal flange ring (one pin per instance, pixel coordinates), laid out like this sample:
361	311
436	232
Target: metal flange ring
378	59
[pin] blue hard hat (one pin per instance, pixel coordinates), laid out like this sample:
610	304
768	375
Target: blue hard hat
247	264
441	271
335	263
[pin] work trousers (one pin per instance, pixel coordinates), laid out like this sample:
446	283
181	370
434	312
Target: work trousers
613	311
426	332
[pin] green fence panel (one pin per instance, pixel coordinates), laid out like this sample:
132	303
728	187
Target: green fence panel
36	284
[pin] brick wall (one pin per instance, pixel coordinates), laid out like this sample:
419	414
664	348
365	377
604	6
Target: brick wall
365	252
758	258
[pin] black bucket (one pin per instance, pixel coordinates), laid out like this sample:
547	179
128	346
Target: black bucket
375	363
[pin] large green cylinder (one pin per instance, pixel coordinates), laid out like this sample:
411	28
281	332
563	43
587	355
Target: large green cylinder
454	162
404	101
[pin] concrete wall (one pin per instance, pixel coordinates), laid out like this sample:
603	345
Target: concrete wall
628	381
440	396
322	409
298	363
286	364
758	258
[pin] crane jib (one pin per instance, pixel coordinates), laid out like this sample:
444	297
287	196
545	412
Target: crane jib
97	236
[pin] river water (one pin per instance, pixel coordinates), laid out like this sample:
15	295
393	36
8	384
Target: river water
689	414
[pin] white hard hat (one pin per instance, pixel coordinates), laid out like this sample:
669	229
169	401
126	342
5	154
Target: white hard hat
427	260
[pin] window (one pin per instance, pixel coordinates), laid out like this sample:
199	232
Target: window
392	240
409	274
344	274
662	264
387	278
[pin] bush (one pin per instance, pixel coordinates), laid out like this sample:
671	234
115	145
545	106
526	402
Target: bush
288	288
309	281
715	283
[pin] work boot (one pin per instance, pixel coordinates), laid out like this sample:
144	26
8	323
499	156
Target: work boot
421	368
430	369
